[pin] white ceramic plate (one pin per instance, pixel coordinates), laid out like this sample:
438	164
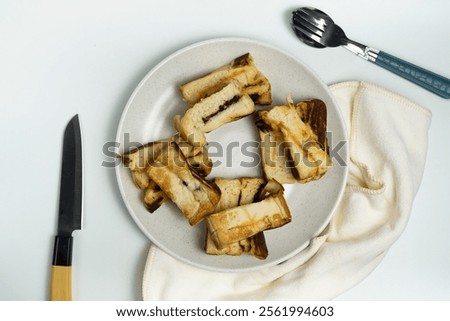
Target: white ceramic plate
148	116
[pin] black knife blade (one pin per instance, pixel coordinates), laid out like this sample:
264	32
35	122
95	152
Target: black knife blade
70	211
70	201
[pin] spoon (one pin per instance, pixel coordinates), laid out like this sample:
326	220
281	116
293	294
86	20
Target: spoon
316	29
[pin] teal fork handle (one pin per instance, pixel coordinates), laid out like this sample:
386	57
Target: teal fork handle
426	79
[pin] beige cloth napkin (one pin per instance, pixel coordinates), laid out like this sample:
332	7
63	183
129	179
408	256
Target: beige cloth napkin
388	145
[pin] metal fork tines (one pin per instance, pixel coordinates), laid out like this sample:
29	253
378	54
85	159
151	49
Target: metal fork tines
314	21
318	30
307	25
323	32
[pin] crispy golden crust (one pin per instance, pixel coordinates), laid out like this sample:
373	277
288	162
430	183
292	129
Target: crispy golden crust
241	69
314	113
139	159
154	197
260	90
235	224
293	141
194	196
222	107
234	193
254	245
275	157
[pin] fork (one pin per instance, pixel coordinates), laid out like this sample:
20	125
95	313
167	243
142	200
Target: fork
317	29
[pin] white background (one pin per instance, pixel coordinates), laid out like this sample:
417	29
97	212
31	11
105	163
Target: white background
60	58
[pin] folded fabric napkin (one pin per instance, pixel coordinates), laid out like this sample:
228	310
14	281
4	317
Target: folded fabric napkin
388	145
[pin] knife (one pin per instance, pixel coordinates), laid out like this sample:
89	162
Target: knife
70	212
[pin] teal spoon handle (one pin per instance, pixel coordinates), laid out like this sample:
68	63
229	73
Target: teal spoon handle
426	79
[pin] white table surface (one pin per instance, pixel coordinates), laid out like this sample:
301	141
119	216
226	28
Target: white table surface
86	57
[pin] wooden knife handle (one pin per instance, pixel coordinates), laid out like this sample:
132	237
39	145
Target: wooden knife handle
61	283
61	276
